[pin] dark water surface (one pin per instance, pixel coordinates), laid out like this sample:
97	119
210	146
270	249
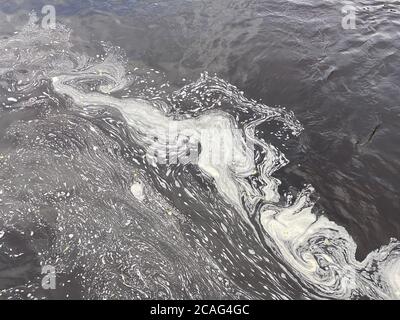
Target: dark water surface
72	152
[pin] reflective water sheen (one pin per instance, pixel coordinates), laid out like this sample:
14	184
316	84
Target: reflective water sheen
305	207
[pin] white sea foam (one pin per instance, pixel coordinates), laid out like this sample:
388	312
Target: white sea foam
320	252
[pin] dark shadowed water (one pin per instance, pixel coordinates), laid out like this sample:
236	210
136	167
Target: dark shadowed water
313	212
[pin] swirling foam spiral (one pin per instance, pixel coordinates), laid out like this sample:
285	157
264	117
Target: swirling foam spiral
81	191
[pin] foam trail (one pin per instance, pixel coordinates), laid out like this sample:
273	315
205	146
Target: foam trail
318	251
149	122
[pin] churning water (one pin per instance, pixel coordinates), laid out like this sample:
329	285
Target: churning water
230	149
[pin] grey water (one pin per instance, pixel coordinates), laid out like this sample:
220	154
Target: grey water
315	216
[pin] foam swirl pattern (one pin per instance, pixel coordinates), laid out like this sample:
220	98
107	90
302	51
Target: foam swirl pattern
83	189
